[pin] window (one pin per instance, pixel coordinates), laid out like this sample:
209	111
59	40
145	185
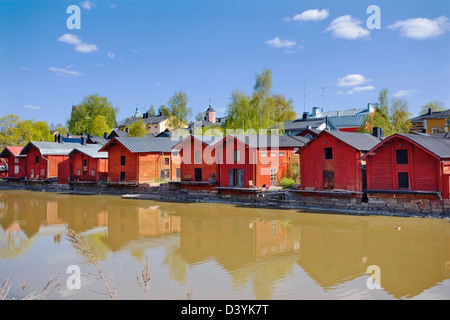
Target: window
16	160
16	169
263	154
122	160
122	176
178	173
166	161
93	173
403	180
282	154
273	176
328	153
85	162
37	159
273	154
42	173
436	130
198	157
402	156
237	155
78	172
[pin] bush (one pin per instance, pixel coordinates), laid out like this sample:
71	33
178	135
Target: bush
287	183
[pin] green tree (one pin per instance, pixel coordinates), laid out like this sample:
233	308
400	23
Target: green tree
17	132
91	106
261	110
177	110
400	116
99	126
151	111
434	105
137	129
42	131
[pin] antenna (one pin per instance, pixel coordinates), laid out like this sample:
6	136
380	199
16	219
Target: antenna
304	95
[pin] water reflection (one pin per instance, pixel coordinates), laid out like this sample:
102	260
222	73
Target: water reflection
256	247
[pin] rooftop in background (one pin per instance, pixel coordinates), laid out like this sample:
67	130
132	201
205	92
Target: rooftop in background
431	115
15	151
144	145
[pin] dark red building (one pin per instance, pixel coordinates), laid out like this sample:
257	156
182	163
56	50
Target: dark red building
332	160
88	164
16	163
409	163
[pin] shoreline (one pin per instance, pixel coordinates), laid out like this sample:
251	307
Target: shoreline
164	194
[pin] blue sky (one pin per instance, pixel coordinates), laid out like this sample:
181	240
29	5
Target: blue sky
138	53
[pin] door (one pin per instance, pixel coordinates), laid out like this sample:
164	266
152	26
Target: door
273	176
198	174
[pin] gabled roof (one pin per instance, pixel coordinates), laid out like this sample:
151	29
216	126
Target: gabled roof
143	145
208	140
347	120
269	141
359	141
90	151
117	133
51	148
15	151
433	115
300	124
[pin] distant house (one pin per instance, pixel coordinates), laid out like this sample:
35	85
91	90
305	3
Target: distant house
15	162
47	160
332	160
255	160
88	164
409	163
141	160
208	120
308	133
431	122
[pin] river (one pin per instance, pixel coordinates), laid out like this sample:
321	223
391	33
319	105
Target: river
217	251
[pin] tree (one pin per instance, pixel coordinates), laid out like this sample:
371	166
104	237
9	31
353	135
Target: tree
90	107
151	111
17	132
177	111
391	120
98	126
137	129
434	105
42	131
261	110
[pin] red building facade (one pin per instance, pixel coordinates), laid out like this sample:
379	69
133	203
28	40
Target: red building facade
15	161
87	164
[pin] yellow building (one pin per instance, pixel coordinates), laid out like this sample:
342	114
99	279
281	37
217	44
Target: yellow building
431	122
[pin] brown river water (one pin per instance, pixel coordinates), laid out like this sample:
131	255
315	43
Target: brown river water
218	251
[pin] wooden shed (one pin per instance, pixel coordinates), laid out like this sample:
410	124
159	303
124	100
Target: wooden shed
88	164
48	160
248	161
332	161
414	163
198	159
16	163
141	160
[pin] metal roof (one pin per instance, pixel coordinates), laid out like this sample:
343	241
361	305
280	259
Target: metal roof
433	115
90	151
438	146
258	141
15	151
359	141
145	144
347	120
51	148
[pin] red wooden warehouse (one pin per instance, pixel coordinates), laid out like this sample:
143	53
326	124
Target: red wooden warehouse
15	161
141	160
48	160
409	163
88	164
248	161
198	164
332	161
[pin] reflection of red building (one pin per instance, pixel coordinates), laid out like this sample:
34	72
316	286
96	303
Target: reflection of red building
15	161
87	164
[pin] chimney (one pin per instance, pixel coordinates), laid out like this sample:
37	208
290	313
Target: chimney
315	112
305	115
430	111
105	135
377	133
69	134
59	138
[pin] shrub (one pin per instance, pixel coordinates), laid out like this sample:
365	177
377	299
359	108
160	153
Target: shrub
287	183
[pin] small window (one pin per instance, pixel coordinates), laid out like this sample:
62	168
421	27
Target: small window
78	172
37	159
403	180
263	154
122	160
198	157
273	154
166	161
237	155
42	172
93	173
282	154
402	156
85	162
16	169
122	176
16	160
328	153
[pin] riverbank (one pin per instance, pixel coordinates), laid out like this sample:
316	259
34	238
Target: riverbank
341	202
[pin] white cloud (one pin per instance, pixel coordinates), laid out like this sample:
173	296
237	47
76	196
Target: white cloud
346	27
158	84
25	68
422	28
278	43
87	5
359	89
65	72
80	46
111	55
403	93
352	80
29	106
310	15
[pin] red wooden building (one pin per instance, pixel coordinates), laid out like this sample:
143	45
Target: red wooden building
48	160
409	163
198	164
248	161
332	160
141	160
16	163
88	164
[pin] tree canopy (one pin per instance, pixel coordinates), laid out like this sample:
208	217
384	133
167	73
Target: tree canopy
137	129
83	115
261	110
17	132
434	105
177	111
